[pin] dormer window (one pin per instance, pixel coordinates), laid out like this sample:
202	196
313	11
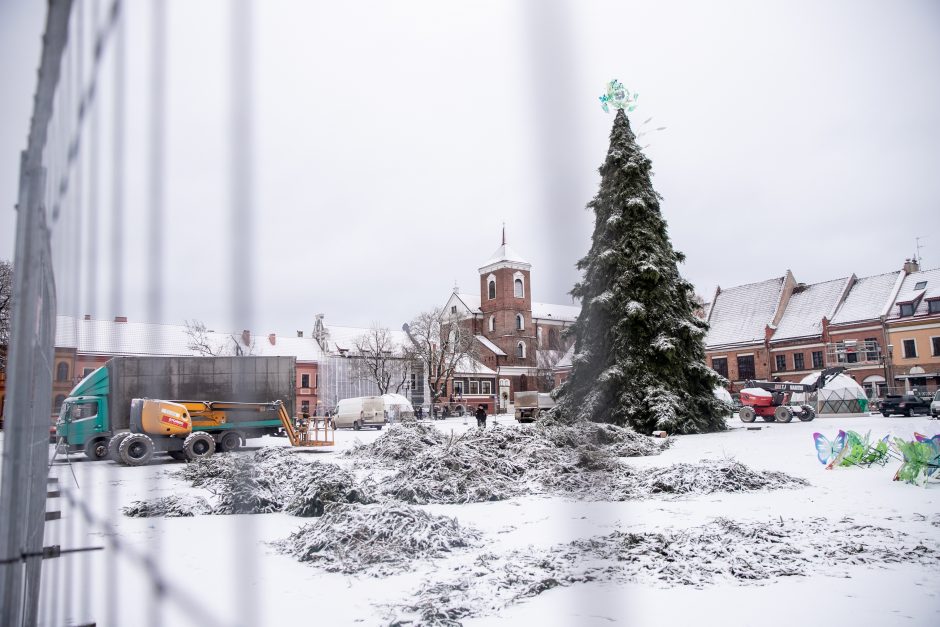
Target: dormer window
933	306
907	309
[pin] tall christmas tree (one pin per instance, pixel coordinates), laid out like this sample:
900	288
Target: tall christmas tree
639	353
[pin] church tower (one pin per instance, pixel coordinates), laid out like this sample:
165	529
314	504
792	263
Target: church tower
506	303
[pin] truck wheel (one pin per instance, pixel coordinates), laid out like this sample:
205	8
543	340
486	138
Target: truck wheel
747	414
198	445
808	413
783	414
885	413
136	449
908	413
230	441
357	425
114	446
97	449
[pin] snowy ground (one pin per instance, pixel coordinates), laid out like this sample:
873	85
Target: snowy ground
223	570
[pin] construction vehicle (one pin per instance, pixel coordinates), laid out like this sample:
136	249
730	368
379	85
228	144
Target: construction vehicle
100	405
771	399
184	429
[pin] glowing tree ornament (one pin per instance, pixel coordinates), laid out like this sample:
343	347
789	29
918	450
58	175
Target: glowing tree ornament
618	97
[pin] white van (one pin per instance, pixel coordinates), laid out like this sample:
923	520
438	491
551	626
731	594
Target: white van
359	412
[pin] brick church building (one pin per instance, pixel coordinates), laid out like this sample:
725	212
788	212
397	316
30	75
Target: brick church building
518	338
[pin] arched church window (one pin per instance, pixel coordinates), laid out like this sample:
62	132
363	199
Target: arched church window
492	289
520	322
492	323
517	289
520	350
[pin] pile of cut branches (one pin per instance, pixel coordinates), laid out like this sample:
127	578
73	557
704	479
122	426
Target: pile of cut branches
382	540
168	507
401	441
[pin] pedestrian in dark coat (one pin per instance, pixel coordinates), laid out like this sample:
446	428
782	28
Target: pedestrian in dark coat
481	416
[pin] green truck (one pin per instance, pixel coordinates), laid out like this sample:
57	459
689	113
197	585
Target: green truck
99	406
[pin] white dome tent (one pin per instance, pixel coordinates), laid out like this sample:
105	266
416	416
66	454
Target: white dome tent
841	395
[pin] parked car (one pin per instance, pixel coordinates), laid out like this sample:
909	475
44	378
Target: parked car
359	412
908	405
935	405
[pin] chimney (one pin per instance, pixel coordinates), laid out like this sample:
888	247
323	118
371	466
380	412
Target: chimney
87	317
911	266
120	318
246	337
272	338
300	334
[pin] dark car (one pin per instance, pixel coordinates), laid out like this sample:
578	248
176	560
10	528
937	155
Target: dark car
908	405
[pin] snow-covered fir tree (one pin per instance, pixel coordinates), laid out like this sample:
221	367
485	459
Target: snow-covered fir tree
639	356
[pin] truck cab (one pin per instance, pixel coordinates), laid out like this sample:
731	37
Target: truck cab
83	423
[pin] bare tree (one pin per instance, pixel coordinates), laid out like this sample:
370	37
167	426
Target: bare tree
441	343
6	310
381	360
208	343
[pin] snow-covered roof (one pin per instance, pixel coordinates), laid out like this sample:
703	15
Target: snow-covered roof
740	314
546	358
470	301
565	361
469	366
546	311
866	299
107	337
496	350
344	338
504	254
909	291
807	307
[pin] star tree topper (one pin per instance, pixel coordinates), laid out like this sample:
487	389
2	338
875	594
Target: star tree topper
618	97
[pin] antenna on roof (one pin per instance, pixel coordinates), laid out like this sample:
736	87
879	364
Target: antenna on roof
504	232
456	287
917	247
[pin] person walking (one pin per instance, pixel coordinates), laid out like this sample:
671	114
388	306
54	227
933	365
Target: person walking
481	416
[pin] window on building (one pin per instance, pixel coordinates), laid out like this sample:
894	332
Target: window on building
414	381
910	349
305	407
305	380
486	387
553	339
920	285
520	350
517	289
520	322
746	367
492	289
458	387
453	309
720	365
872	349
935	346
492	323
933	306
907	309
62	371
781	362
817	359
798	361
474	386
87	371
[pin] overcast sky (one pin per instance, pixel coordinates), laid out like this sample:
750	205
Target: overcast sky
393	139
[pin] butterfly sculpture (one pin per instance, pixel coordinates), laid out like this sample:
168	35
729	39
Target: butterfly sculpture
831	452
932	450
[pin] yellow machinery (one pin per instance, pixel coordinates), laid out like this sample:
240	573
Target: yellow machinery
195	429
